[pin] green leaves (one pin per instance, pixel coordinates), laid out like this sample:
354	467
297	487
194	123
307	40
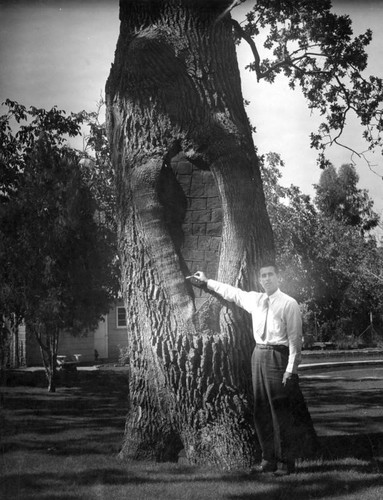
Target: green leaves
20	129
338	197
57	253
329	264
53	123
315	49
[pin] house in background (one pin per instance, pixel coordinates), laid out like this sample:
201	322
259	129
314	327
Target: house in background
107	340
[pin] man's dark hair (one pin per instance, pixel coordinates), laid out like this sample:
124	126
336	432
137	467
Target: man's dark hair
269	263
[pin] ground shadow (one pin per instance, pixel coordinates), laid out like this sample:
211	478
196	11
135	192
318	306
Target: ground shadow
69	422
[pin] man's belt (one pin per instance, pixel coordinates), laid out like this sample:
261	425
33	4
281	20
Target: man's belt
273	347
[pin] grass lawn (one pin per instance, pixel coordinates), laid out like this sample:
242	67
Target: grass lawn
65	445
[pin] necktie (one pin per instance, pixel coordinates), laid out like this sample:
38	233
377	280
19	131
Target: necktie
266	304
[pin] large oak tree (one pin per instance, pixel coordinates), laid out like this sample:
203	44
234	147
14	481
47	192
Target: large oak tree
175	87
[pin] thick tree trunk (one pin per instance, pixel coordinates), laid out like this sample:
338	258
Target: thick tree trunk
175	86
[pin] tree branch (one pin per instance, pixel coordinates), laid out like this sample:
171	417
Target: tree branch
242	34
230	8
379	278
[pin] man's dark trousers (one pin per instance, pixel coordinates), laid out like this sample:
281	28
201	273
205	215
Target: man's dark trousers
272	413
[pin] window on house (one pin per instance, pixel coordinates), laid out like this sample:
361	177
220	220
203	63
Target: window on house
121	317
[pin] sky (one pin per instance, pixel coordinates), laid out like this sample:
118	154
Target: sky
59	52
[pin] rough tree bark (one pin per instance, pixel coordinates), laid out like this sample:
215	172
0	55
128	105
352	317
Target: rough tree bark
175	86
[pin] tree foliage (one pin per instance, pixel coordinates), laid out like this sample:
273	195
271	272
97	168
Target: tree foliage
294	220
327	259
316	50
329	265
338	197
57	254
29	124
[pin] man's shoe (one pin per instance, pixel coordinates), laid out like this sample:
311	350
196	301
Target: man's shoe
284	469
265	466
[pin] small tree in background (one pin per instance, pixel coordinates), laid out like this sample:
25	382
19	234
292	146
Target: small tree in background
58	256
339	198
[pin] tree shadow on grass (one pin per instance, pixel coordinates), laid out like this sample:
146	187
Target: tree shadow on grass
90	444
248	486
355	393
368	447
70	422
318	488
348	415
86	419
17	486
36	482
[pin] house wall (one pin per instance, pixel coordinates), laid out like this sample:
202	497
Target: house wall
84	346
32	356
107	339
118	336
15	351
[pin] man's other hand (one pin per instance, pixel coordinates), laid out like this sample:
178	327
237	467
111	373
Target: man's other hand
287	377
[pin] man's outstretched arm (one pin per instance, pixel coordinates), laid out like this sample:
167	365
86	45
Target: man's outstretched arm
227	292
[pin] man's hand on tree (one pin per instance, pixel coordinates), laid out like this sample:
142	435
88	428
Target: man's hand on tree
198	279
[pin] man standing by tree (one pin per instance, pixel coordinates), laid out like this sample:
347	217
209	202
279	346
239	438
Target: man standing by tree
175	87
277	329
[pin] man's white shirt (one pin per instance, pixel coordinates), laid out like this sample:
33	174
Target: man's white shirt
284	320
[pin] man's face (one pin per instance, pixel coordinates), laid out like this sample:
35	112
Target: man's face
269	279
